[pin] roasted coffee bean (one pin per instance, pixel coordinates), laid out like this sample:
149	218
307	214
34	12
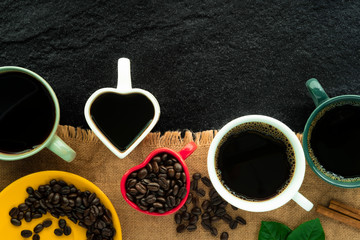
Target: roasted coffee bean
206	224
175	190
164	157
194	185
191	227
150	199
171	173
149	168
153	187
216	200
233	224
223	204
195	201
28	217
162	169
30	190
145	181
141	188
183	177
67	231
205	204
206	181
65	190
183	208
36	237
20	216
142	173
15	222
240	220
227	218
170	201
214	231
177	167
189	199
205	216
234	208
56	188
181	228
47	223
213	193
23	207
193	219
182	192
131	183
196	211
200	192
62	223
14	212
220	212
158	205
36	215
58	232
178	218
224	236
214	218
26	233
133	175
186	216
177	175
161	200
38	228
196	176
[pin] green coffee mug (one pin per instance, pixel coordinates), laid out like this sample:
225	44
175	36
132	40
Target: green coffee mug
323	103
51	140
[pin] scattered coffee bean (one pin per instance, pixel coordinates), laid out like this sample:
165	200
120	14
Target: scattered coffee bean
14	212
206	181
214	231
47	223
200	192
26	233
214	209
224	236
58	232
191	227
181	228
233	224
15	222
62	223
240	220
38	228
67	231
178	218
36	237
196	176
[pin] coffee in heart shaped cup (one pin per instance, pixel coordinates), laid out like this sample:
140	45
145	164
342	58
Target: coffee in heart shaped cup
121	117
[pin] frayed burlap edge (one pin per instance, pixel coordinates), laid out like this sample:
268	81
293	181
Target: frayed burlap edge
153	138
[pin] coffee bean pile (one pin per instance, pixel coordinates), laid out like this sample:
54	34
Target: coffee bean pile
60	199
210	210
158	187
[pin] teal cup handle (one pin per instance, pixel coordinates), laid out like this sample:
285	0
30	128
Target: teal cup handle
316	91
60	148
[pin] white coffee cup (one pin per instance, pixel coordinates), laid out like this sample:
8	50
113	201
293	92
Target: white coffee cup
292	189
123	88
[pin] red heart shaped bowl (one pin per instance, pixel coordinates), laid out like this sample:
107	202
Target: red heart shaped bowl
180	157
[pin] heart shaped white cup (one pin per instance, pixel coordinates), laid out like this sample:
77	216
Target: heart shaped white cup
123	88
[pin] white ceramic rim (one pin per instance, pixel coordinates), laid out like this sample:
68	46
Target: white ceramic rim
287	194
98	132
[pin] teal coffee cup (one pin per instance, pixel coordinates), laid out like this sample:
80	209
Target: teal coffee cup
331	137
29	116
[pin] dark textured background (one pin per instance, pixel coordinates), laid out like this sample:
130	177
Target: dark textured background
207	62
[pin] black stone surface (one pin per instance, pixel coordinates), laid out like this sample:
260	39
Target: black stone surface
207	62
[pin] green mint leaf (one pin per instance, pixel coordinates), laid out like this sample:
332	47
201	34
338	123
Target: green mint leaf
311	230
273	231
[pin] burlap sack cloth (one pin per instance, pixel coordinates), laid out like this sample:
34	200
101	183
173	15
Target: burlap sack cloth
96	163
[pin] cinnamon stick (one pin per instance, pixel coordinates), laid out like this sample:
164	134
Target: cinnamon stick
338	216
343	208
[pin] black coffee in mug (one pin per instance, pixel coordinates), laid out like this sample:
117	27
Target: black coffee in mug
27	112
334	141
122	118
255	161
